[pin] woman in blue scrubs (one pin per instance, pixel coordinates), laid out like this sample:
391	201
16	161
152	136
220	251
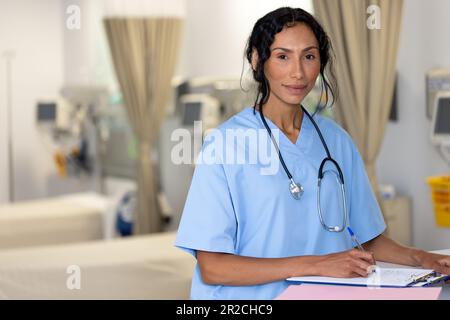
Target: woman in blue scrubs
241	221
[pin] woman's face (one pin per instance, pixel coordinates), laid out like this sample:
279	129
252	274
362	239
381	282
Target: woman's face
293	65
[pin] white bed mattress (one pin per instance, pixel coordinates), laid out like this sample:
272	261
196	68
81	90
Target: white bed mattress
65	219
144	267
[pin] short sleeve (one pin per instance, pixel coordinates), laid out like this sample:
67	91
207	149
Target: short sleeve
208	222
366	218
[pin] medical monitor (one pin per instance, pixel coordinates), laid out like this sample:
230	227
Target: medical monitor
46	112
440	128
200	107
191	112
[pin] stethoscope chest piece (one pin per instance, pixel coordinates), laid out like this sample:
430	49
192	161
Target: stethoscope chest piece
296	189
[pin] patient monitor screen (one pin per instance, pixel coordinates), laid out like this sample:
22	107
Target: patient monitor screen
46	112
442	125
191	113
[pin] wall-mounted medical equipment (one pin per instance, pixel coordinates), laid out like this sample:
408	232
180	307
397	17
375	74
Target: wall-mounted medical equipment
232	98
440	133
440	125
46	111
200	107
436	80
73	130
54	113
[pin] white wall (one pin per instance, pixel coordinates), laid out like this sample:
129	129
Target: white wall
215	34
86	54
87	60
33	29
407	157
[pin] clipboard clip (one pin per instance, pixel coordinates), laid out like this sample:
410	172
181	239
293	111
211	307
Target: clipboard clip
429	278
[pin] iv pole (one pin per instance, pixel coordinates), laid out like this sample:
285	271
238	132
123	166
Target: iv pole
9	56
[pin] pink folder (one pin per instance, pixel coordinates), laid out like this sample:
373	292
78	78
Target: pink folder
330	292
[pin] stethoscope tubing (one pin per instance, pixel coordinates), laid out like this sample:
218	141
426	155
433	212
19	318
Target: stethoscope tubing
340	176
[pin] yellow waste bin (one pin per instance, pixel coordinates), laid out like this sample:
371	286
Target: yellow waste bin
440	195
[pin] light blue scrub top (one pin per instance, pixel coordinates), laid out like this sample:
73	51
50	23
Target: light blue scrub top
233	208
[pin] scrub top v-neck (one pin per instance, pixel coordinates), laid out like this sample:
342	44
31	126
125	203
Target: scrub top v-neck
233	208
303	140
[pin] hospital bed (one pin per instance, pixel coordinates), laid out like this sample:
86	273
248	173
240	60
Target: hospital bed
141	267
64	219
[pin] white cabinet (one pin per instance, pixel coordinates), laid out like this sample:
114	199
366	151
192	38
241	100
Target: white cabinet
397	212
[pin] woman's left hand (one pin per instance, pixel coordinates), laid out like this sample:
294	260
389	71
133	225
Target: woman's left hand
437	262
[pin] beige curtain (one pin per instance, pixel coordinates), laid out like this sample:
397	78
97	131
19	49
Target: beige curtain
365	68
144	52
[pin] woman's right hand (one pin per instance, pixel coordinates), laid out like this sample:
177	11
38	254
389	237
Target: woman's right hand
347	264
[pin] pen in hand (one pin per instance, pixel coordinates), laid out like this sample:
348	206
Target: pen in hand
358	244
355	240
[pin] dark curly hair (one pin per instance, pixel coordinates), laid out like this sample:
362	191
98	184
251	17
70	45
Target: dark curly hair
262	37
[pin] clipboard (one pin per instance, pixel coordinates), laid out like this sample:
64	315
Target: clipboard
382	277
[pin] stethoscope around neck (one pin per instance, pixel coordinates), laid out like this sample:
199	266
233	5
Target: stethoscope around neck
297	190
